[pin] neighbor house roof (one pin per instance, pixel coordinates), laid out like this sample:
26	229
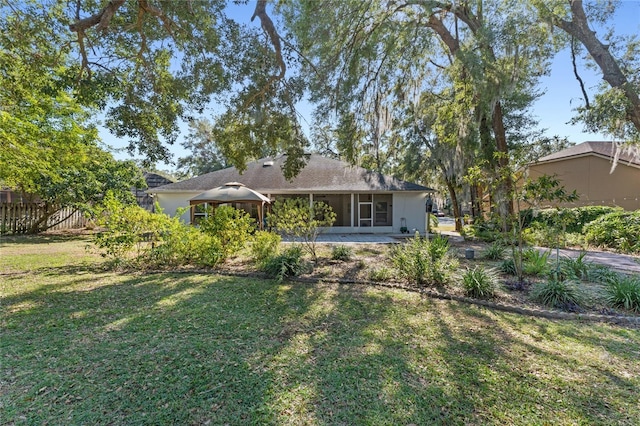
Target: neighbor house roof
600	149
320	174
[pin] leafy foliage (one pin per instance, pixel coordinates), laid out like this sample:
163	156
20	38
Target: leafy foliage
573	219
295	218
618	230
380	274
341	252
285	265
623	291
576	268
49	146
265	244
495	251
424	262
536	262
480	282
204	156
557	294
233	227
136	237
508	267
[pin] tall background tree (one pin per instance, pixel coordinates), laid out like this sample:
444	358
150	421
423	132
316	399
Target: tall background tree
616	108
371	60
49	146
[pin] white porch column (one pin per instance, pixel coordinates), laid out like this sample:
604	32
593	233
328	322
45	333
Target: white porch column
353	209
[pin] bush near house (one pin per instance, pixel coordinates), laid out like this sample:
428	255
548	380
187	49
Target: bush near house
619	230
425	262
573	219
135	237
232	226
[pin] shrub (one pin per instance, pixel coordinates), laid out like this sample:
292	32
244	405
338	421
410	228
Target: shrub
535	262
601	274
623	291
180	245
341	252
423	261
576	268
508	266
295	218
619	231
557	293
488	231
140	238
543	235
232	226
573	219
495	251
265	244
381	274
284	265
480	282
128	228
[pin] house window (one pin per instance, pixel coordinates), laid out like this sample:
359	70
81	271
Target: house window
199	212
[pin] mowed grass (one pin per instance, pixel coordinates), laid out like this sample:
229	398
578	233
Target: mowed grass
81	345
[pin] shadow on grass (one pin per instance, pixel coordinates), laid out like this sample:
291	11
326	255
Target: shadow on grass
103	348
27	239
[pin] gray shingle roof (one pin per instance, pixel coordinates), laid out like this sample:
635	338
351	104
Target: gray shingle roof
603	149
321	174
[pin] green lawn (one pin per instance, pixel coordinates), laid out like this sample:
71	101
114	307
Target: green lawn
81	345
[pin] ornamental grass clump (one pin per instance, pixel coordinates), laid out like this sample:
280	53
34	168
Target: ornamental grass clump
495	251
480	282
424	262
535	262
557	293
381	274
577	268
341	252
285	265
623	291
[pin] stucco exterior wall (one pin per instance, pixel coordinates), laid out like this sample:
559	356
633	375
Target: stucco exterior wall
171	202
411	206
590	176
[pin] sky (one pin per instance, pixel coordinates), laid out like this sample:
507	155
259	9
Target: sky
554	109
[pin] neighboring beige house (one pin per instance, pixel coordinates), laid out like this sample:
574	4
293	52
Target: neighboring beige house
587	168
364	201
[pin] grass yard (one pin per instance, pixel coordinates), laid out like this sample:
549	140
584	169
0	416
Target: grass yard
82	345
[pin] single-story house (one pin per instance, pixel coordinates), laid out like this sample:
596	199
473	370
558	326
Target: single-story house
587	168
364	201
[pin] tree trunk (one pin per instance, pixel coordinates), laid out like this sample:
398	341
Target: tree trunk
611	72
457	214
504	190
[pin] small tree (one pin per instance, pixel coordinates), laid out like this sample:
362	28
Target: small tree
301	221
533	192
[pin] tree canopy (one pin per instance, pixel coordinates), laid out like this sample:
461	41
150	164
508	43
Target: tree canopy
49	143
396	84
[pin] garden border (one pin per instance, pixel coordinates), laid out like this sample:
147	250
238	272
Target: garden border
532	312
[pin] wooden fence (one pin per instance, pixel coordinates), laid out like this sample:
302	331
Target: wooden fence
18	218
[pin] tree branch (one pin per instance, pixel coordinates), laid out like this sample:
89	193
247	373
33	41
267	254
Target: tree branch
101	19
270	29
575	72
